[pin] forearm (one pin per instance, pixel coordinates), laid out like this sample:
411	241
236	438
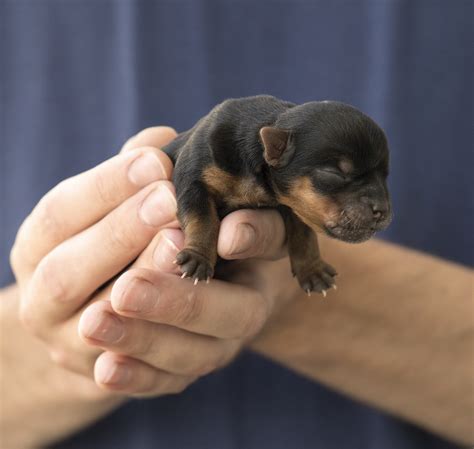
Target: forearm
40	402
398	333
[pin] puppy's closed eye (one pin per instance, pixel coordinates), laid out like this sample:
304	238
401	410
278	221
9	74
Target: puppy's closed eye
331	174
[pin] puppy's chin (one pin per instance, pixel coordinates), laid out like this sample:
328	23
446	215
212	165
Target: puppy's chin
357	233
350	235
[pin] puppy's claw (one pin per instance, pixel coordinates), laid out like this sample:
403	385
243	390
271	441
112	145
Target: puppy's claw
334	286
315	275
175	262
196	280
184	275
308	292
208	280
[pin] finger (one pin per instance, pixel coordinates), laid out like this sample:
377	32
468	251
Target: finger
72	350
252	233
164	347
79	361
161	253
156	136
80	201
119	373
219	309
70	273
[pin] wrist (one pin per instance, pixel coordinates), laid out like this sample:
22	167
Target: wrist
54	402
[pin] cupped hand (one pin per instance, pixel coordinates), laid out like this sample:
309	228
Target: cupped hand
150	333
83	233
161	332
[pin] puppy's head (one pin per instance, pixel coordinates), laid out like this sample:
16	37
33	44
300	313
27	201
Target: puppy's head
329	163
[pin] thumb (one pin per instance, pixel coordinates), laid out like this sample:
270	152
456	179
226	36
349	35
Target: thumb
156	136
252	233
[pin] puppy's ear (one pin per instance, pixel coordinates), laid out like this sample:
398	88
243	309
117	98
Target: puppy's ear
278	149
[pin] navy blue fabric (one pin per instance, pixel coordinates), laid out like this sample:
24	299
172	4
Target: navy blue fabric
79	77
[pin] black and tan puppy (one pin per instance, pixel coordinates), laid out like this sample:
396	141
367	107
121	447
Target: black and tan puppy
322	164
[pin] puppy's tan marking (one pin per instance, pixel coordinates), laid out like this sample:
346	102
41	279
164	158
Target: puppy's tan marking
237	191
201	233
312	208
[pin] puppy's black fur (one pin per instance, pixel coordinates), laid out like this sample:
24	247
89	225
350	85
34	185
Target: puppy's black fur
322	164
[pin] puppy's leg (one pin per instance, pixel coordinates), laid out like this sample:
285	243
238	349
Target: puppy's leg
312	272
200	223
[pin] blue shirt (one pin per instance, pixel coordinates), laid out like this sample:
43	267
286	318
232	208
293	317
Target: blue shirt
79	77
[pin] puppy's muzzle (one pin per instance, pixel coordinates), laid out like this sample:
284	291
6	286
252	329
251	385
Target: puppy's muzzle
360	222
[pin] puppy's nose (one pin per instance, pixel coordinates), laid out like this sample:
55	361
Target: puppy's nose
377	215
379	210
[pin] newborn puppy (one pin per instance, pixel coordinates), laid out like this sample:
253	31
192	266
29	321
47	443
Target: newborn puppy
323	165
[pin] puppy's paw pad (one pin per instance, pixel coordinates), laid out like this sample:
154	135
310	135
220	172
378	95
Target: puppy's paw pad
319	277
194	265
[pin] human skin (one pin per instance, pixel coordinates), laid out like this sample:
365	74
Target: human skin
397	334
80	236
377	366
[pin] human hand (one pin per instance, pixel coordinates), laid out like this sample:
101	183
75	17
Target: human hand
83	233
159	332
55	321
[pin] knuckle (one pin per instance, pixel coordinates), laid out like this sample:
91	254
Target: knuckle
270	232
21	251
118	235
44	219
270	236
190	309
27	320
47	279
60	358
70	361
139	341
78	362
41	225
128	145
15	259
105	192
143	347
262	241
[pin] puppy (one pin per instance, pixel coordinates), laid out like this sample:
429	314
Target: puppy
323	165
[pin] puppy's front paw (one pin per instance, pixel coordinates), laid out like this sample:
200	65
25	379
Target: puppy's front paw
316	277
194	265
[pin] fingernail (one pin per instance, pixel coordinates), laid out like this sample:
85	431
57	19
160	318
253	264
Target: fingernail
138	297
115	374
103	327
164	254
244	239
145	169
159	207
